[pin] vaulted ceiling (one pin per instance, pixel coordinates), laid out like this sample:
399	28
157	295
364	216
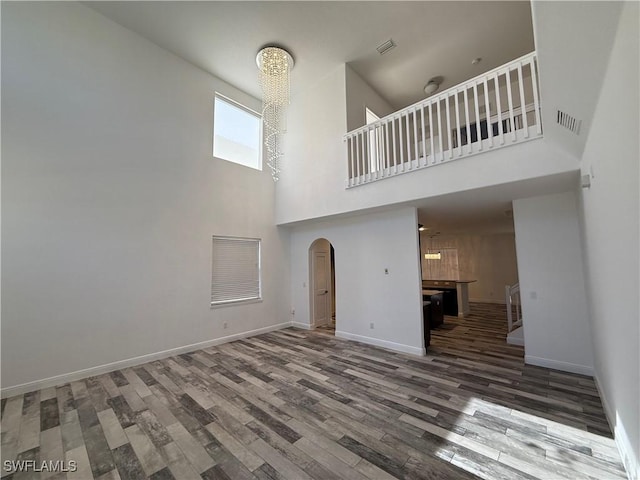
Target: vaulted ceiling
433	38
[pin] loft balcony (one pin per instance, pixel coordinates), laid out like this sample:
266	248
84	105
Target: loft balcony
491	111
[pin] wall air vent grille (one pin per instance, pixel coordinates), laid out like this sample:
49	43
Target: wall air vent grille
570	123
386	46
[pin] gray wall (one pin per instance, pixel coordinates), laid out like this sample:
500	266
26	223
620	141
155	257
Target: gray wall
110	196
552	288
366	245
610	224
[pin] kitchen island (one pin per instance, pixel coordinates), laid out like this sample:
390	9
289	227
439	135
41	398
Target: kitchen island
456	295
436	313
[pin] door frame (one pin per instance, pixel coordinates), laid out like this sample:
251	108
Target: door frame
318	247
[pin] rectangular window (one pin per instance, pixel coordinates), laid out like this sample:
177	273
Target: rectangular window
235	271
237	133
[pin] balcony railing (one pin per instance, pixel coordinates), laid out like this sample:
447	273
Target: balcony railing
514	307
496	109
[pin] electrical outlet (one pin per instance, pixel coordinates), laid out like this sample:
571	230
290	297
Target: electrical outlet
386	271
224	325
293	311
371	325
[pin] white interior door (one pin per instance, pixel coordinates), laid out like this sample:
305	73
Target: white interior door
321	286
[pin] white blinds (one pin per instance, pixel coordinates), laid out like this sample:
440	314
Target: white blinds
236	270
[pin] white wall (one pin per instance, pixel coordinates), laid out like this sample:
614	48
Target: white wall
313	148
552	288
366	245
110	196
361	95
610	222
573	41
489	259
312	184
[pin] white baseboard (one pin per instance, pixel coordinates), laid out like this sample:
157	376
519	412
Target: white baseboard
304	326
558	365
130	362
515	341
398	347
516	336
629	459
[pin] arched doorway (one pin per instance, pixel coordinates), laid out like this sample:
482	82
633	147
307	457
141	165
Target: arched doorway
322	284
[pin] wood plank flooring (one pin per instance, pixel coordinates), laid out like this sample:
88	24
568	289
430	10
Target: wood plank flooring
296	405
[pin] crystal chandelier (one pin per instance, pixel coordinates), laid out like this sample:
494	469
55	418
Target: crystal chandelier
274	65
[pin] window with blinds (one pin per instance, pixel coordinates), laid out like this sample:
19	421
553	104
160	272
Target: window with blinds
235	270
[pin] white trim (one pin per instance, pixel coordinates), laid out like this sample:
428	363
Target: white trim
130	362
558	365
629	459
398	347
233	103
237	104
304	326
231	303
516	336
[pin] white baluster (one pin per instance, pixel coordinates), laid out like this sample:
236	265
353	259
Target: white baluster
536	104
476	104
366	166
395	150
352	173
424	141
487	107
401	138
408	134
510	98
440	141
415	136
386	142
466	116
433	158
449	128
499	108
457	105
378	137
359	156
523	106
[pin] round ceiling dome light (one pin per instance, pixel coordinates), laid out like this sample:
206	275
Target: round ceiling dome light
433	85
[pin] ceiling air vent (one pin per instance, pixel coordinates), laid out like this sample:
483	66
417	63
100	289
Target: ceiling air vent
386	46
570	123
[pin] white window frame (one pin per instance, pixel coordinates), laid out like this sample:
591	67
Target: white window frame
244	108
223	265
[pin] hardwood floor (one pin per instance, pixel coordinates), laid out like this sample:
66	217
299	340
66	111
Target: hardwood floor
298	405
